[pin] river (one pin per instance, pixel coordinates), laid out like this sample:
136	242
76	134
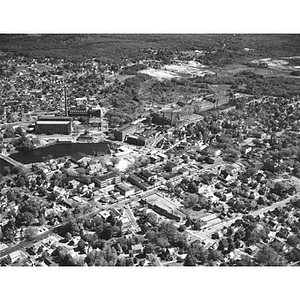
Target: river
59	150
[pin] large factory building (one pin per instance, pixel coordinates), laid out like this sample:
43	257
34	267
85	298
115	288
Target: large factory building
53	125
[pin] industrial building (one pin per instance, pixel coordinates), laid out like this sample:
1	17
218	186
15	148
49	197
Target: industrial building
124	131
95	122
166	117
84	111
164	207
78	111
53	125
135	140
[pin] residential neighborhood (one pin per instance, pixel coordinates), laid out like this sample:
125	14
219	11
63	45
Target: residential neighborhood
156	160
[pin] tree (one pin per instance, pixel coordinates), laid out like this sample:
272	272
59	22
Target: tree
30	232
197	225
81	245
215	255
114	161
190	261
17	170
72	227
9	132
192	187
6	170
42	219
67	164
152	218
149	248
293	240
8	234
245	260
19	131
269	257
107	232
181	228
196	254
162	242
25	218
110	255
190	201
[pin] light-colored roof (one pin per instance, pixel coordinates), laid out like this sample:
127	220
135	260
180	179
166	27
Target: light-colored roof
3	246
52	122
15	255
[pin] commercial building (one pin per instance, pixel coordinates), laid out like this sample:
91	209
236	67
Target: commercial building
124	189
106	179
124	131
140	182
53	125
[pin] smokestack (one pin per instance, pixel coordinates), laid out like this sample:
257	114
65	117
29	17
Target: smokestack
66	103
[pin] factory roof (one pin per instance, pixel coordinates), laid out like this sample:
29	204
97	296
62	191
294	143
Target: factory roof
52	122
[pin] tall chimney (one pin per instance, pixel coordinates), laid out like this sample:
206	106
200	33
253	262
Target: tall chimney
66	102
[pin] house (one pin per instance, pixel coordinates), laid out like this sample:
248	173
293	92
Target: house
69	202
154	159
104	214
211	151
137	249
246	149
252	250
162	156
226	175
3	247
184	171
125	224
60	192
171	167
79	158
94	168
271	166
15	256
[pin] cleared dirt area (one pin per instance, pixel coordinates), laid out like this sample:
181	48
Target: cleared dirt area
160	74
42	68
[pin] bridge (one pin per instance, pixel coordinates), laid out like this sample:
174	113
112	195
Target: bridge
10	160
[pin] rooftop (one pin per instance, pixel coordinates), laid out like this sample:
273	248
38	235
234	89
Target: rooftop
52	122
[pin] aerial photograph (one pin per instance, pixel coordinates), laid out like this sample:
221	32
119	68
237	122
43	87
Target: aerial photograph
149	150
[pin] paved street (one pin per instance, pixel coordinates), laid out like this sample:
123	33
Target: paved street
205	234
25	244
